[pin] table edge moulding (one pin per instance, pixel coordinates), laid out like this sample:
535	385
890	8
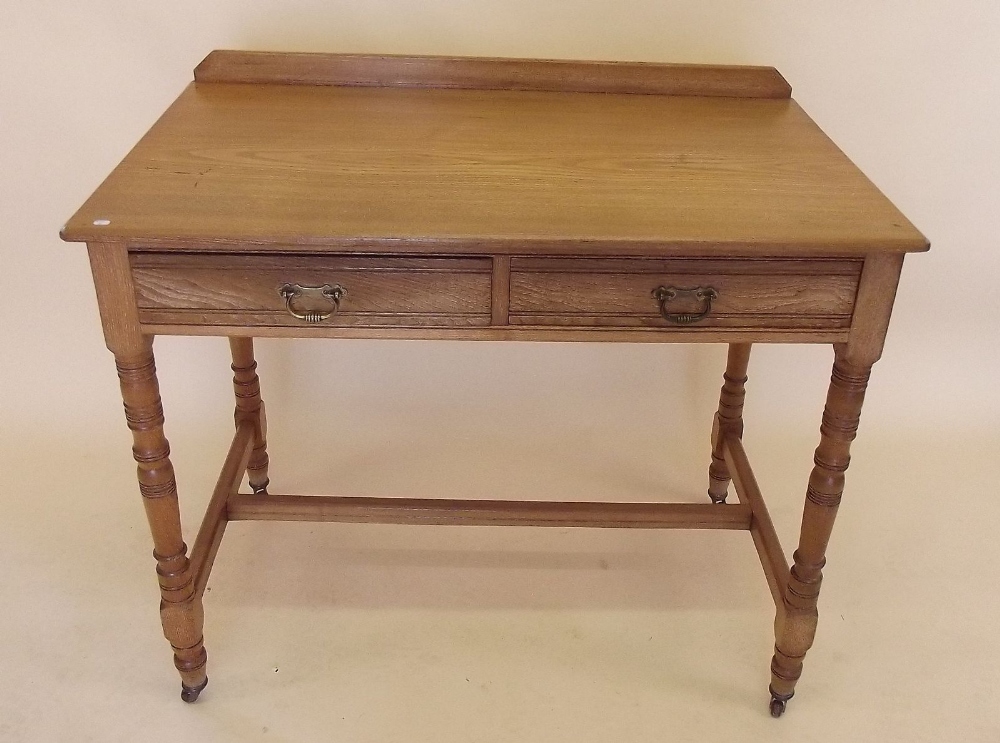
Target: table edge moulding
379	196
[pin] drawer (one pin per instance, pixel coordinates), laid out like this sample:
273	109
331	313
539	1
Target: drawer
635	292
364	291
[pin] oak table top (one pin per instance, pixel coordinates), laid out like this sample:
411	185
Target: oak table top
418	169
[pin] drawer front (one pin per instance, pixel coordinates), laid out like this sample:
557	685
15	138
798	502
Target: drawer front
746	293
366	291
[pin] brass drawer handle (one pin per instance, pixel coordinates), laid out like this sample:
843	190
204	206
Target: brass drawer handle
332	294
704	294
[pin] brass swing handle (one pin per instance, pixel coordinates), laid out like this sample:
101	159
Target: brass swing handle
664	294
333	294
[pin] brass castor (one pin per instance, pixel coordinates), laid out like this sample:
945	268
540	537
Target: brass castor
718	499
260	489
191	693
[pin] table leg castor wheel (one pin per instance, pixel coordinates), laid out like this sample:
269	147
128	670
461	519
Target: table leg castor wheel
191	693
778	704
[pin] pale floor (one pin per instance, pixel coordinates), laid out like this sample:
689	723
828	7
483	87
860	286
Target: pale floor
322	632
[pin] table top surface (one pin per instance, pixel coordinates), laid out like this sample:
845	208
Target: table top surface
454	163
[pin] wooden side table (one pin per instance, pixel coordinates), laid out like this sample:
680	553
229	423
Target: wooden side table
341	196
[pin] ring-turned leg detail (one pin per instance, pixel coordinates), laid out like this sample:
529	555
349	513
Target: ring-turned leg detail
180	607
729	419
250	408
795	624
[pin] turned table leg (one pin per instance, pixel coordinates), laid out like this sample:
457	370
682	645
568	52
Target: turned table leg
729	419
250	408
180	606
796	619
795	624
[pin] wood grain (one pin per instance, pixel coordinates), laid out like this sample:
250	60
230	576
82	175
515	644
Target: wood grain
795	625
250	409
380	291
772	556
501	289
589	295
181	612
271	322
876	295
473	171
690	264
112	274
369	70
213	524
188	323
441	511
728	420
